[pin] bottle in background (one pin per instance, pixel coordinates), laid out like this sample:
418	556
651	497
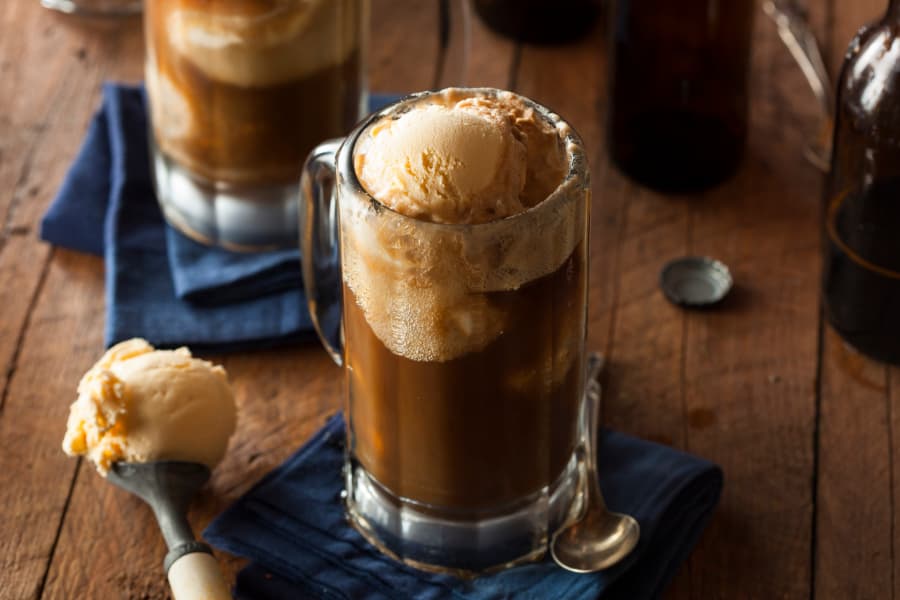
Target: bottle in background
539	21
861	271
678	90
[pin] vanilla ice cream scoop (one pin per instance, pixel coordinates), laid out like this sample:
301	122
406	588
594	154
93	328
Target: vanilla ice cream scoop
262	43
138	404
459	158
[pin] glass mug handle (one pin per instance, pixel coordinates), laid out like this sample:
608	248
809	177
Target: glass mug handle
319	248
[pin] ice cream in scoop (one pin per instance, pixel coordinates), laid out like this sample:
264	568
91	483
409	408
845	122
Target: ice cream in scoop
138	404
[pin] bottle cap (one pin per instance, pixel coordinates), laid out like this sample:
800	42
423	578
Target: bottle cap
695	281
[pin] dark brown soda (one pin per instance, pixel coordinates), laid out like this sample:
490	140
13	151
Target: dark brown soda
476	433
861	279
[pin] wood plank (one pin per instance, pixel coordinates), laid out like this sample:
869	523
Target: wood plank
854	553
99	52
750	366
29	39
402	57
47	112
490	56
35	476
646	346
854	557
401	61
22	265
32	158
52	68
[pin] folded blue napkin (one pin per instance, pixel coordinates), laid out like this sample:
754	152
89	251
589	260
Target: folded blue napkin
292	527
161	285
210	275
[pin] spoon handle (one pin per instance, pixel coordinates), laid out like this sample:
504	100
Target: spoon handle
196	576
590	426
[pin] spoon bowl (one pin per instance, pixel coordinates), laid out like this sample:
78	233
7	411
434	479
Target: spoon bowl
598	538
598	541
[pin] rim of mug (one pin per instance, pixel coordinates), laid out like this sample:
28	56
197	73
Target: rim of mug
577	176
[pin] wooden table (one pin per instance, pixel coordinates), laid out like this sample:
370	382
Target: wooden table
802	425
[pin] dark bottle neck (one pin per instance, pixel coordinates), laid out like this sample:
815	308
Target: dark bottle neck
893	10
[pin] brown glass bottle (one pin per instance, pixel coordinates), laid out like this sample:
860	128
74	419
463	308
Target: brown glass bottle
539	21
678	90
861	271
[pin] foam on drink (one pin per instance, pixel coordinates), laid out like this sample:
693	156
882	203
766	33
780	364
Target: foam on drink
472	166
260	42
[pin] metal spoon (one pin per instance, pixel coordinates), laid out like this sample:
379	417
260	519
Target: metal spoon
599	538
168	486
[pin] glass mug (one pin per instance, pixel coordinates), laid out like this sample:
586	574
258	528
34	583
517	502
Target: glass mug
463	355
239	92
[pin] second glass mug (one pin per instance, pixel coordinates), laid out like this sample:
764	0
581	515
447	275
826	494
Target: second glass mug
463	355
239	92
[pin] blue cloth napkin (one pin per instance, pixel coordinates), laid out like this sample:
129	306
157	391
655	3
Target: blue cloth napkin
292	527
209	275
161	285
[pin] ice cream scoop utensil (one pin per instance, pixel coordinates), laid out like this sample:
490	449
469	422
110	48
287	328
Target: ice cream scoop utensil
599	538
168	486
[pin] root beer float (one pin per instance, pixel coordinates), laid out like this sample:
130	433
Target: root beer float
240	91
464	268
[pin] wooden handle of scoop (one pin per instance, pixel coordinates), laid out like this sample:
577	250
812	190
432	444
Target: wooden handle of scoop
196	576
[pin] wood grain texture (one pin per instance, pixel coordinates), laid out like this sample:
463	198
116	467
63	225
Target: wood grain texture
22	265
47	101
855	494
750	366
491	56
403	46
808	510
61	341
52	70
